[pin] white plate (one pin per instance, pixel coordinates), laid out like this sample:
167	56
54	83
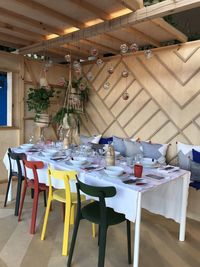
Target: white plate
26	146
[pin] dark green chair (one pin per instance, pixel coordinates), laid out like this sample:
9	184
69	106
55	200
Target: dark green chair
97	212
17	157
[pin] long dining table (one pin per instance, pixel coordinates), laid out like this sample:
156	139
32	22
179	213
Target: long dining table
166	196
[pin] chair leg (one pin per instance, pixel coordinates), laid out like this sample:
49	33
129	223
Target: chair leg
32	193
22	201
93	230
72	215
18	195
46	218
66	230
75	232
34	212
8	187
128	224
45	198
102	246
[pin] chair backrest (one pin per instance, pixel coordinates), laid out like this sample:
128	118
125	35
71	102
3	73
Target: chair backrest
34	166
65	176
18	157
96	191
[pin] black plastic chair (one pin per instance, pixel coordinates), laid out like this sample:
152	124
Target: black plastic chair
17	157
97	212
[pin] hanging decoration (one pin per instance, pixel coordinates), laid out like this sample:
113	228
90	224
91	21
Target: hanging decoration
110	70
94	52
99	62
148	53
125	96
106	85
77	68
68	58
43	75
125	73
133	47
89	76
124	48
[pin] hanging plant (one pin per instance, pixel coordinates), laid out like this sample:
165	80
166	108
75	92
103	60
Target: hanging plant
39	100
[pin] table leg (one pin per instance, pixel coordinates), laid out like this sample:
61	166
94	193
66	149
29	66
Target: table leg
137	232
10	190
184	208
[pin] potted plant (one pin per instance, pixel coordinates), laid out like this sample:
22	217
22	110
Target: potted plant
39	101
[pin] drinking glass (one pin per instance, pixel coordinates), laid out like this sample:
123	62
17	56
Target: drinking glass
138	158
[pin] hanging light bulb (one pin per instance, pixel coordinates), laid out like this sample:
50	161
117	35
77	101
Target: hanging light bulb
123	48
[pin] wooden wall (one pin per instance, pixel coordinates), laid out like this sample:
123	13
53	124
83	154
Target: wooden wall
163	105
164	97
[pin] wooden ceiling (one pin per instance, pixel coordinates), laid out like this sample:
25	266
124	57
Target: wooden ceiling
75	26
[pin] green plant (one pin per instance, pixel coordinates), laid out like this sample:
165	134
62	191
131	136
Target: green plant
39	99
82	89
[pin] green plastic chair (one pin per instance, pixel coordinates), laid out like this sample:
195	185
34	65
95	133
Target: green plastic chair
97	212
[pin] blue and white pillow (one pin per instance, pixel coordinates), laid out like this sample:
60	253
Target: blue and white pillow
184	154
118	144
155	151
132	148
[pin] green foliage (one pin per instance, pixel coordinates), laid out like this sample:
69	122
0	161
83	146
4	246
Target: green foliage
39	99
59	116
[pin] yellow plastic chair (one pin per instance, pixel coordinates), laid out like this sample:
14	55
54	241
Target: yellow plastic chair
64	196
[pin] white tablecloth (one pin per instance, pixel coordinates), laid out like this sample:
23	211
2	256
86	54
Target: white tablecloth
162	197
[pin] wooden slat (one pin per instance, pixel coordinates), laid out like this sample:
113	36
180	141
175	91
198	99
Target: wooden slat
29	34
50	12
12	39
29	21
100	46
131	4
158	10
141	35
92	8
160	22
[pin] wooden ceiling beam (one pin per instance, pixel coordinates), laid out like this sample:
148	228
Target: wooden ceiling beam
10	44
32	22
50	12
93	9
99	46
131	4
76	50
161	23
142	35
113	39
164	8
15	40
29	34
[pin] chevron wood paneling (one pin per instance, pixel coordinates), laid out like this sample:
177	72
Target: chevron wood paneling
164	97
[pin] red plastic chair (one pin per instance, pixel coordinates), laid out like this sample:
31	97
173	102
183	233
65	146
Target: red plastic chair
33	184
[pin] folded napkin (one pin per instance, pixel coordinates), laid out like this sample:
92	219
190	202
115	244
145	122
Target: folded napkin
168	169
